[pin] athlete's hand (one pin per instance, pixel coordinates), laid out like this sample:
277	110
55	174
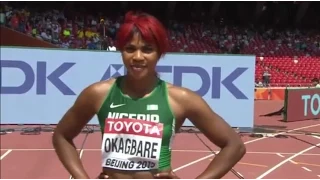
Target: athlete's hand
103	176
166	175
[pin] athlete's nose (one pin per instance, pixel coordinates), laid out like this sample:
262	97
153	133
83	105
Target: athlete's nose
138	56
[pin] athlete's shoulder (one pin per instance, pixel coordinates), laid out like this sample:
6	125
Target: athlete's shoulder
102	86
94	94
181	94
190	103
98	90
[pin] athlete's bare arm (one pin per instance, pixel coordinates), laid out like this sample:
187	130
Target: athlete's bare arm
193	107
71	124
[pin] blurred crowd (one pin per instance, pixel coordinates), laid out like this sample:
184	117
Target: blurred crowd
52	26
98	33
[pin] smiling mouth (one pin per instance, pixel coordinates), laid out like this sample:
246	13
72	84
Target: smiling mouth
138	67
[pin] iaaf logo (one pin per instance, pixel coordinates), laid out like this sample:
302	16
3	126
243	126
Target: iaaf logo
39	77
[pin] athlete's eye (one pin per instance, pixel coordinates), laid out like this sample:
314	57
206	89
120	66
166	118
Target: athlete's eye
147	49
129	49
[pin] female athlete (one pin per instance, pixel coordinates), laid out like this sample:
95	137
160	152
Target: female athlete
139	114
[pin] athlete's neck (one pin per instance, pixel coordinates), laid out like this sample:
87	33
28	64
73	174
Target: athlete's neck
139	88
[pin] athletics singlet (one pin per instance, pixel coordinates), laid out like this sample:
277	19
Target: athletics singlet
137	133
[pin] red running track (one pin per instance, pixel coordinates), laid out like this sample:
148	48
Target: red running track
32	156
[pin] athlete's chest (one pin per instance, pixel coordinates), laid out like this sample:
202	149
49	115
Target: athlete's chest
152	117
152	111
134	132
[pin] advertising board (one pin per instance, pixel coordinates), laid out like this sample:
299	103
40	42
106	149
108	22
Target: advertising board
302	104
39	85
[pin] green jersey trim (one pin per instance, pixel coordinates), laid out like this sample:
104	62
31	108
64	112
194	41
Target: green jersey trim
173	130
107	96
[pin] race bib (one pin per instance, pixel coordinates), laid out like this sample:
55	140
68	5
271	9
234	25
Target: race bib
130	144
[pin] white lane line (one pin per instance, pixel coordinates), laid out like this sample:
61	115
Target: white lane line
279	155
5	154
293	162
316	137
248	142
286	160
181	150
306	169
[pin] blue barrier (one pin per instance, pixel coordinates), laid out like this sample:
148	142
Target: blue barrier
39	85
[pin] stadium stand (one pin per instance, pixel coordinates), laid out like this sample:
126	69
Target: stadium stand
292	57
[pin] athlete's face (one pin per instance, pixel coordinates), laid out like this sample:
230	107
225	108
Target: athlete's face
140	58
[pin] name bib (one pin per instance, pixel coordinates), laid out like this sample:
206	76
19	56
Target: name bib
130	144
